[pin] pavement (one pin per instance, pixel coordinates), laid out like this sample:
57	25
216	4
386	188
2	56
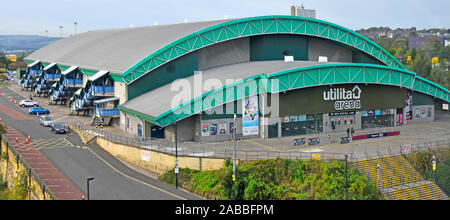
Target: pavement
76	161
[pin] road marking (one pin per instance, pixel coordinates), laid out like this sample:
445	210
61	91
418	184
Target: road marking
134	179
261	145
54	143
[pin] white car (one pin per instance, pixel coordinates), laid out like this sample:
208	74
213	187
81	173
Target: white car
28	103
45	121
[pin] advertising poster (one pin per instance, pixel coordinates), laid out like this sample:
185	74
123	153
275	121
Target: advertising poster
399	119
302	118
408	108
222	128
377	112
250	120
364	114
205	130
231	127
293	118
213	129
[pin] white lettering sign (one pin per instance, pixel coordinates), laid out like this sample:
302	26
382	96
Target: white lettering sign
145	156
344	99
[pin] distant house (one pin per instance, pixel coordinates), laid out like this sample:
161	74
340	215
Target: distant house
419	41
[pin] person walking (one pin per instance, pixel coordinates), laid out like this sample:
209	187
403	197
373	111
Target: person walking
348	132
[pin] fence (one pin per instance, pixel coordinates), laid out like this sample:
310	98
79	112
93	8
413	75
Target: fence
31	174
225	149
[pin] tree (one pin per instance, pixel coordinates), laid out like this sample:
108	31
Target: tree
440	74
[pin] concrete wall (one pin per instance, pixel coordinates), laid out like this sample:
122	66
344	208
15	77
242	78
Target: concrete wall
158	162
121	92
335	53
423	113
185	130
133	124
229	52
219	137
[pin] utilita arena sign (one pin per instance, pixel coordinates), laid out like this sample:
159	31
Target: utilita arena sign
344	99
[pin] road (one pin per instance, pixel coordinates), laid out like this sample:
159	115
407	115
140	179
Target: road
77	161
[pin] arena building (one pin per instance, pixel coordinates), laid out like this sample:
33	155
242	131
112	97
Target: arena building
269	76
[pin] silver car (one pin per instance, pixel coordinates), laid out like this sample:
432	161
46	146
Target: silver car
45	121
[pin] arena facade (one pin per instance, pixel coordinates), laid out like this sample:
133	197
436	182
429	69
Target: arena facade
269	76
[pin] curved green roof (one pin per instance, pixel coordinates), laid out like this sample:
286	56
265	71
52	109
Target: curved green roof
304	77
245	27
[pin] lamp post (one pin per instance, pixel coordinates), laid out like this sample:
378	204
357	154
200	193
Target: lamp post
346	177
378	177
88	180
176	155
60	28
434	167
234	148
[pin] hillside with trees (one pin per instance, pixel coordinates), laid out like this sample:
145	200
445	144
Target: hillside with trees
416	60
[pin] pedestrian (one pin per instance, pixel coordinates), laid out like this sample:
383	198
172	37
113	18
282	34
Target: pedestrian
348	132
333	126
352	132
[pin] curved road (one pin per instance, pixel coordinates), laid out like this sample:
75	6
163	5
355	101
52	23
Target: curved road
113	179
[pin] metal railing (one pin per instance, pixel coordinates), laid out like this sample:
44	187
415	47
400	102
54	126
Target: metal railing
225	149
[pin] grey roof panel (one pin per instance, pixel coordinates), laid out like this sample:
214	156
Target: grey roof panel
158	101
115	50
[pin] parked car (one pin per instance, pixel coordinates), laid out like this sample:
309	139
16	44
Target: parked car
45	121
58	128
36	110
28	103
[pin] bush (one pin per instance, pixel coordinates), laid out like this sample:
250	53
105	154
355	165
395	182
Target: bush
423	161
277	179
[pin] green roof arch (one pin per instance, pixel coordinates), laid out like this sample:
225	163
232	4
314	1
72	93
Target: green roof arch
304	77
239	28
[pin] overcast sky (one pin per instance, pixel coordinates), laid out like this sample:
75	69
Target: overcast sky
36	16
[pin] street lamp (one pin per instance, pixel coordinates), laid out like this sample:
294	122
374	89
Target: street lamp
234	148
89	179
378	177
75	24
346	177
434	166
176	155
